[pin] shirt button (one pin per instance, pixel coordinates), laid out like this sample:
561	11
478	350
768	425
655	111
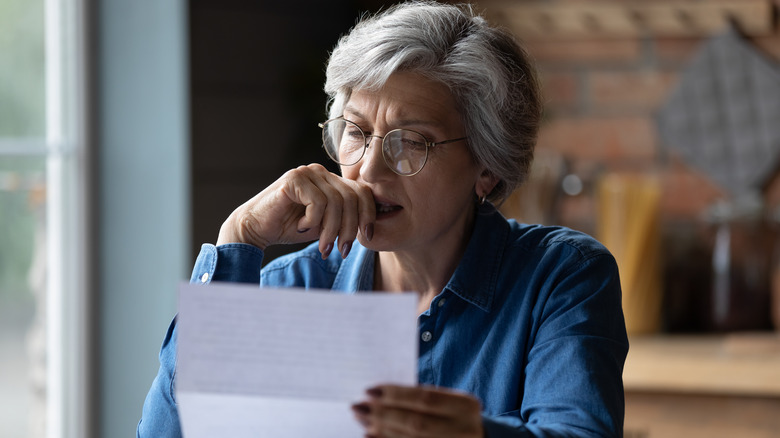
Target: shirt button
426	336
204	278
441	302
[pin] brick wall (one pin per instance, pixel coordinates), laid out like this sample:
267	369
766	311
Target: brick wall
602	96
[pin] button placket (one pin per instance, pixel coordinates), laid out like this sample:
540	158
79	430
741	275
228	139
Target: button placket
425	333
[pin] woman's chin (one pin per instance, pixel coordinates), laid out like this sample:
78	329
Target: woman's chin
376	244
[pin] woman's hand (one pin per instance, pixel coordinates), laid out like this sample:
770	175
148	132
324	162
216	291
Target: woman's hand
413	411
304	204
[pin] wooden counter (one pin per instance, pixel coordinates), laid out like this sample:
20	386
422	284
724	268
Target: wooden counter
703	386
735	364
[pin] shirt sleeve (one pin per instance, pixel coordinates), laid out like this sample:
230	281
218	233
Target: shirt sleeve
573	383
234	262
160	416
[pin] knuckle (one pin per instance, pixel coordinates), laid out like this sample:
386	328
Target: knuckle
304	169
294	174
316	167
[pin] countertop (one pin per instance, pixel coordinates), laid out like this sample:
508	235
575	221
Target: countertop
736	364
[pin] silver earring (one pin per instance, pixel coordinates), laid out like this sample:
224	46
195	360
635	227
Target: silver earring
482	199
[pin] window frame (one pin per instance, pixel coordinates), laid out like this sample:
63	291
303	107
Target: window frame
69	284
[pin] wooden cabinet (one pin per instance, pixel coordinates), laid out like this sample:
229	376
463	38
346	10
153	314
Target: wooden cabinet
703	386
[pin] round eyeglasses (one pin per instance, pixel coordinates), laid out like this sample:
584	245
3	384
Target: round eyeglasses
404	151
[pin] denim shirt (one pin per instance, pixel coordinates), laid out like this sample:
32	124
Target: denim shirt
530	323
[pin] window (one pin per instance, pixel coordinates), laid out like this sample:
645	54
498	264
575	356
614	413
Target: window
43	215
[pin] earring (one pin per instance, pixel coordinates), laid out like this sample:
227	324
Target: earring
482	199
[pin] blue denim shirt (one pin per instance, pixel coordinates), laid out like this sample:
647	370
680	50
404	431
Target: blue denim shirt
530	323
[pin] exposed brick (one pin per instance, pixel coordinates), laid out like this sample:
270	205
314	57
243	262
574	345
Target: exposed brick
644	90
610	140
585	51
677	50
687	193
560	90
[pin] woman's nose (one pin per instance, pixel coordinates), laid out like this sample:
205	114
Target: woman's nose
372	166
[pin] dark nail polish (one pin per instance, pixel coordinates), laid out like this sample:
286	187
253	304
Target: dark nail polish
375	392
362	408
369	232
304	230
327	251
345	248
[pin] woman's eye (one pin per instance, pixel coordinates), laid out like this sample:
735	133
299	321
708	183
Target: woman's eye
413	144
354	133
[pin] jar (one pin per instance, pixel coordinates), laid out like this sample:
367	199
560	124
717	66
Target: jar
742	252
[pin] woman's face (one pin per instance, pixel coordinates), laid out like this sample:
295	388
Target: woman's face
433	209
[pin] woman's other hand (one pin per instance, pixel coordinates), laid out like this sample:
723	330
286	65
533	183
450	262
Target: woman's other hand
305	204
417	411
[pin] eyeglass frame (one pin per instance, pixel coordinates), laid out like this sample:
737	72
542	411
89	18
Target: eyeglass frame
428	144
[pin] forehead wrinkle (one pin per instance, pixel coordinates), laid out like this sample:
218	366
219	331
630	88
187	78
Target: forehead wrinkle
402	120
351	109
407	100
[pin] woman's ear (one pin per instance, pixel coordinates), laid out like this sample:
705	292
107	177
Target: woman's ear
486	183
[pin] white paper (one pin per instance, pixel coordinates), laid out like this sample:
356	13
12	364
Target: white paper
287	362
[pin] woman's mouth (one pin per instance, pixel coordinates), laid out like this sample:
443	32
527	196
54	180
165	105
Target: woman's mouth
384	209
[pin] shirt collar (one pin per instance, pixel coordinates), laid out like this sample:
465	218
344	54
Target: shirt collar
474	279
476	276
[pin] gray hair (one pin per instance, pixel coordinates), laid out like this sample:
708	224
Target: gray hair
488	73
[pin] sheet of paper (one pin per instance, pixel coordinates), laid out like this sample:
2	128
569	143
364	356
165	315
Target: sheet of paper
287	362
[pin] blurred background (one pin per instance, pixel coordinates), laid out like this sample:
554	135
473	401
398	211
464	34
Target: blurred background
130	130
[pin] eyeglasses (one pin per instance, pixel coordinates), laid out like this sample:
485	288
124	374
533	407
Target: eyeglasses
404	151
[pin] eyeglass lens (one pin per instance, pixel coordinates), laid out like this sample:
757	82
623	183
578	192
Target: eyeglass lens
404	151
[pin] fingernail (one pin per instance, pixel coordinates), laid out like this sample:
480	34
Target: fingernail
345	248
362	408
375	392
369	232
304	230
327	251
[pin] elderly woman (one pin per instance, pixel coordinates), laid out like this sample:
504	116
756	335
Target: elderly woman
433	118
